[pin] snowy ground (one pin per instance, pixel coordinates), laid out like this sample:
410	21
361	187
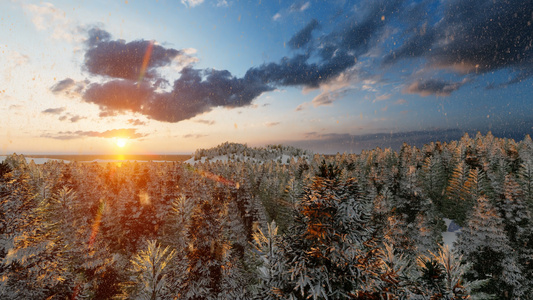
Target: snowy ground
225	158
450	235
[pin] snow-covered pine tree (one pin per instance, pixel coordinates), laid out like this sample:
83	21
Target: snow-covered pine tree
499	168
396	272
41	262
519	228
174	234
525	179
408	200
441	276
149	273
433	180
273	276
457	195
328	249
208	252
484	244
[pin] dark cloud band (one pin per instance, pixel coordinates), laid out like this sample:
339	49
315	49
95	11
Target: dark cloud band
474	37
432	87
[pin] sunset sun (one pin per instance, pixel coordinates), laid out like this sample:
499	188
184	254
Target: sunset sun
121	142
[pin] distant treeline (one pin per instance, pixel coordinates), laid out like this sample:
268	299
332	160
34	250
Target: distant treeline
130	157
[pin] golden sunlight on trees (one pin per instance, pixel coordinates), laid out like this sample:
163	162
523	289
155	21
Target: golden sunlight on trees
255	226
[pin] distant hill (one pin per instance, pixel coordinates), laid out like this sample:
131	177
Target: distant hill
241	152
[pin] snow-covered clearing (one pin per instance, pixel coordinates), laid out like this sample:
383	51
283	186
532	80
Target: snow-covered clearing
450	235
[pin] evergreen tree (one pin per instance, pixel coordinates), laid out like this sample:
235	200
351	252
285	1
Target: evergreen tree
41	262
328	250
208	252
433	180
149	269
272	268
525	179
441	276
485	245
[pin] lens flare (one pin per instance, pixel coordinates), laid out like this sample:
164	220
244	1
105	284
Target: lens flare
96	224
146	60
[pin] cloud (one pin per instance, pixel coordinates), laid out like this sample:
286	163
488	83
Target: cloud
400	102
118	96
473	37
222	3
302	38
338	87
520	75
191	95
192	3
17	59
206	122
45	16
76	118
54	111
432	87
70	135
297	71
195	136
196	91
96	35
69	87
382	97
302	106
184	59
15	107
272	124
299	7
327	98
294	8
136	122
337	51
119	59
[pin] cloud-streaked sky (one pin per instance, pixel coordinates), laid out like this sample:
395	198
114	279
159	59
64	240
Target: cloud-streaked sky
331	76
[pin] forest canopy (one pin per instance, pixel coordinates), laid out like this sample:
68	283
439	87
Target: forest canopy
256	226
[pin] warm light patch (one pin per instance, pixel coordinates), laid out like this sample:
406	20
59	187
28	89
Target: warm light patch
121	142
144	198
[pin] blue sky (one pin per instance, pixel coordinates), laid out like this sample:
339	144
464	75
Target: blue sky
329	76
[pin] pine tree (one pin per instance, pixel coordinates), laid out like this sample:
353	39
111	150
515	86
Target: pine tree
441	276
274	280
461	184
43	253
175	235
328	249
396	271
433	180
208	251
486	246
149	269
526	180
